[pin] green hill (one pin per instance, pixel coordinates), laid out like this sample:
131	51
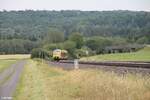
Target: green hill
21	31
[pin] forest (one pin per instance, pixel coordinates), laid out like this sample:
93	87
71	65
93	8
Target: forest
22	31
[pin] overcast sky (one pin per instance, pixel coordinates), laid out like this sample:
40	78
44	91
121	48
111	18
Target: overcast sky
90	5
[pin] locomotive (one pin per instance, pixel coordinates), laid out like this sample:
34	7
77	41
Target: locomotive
59	54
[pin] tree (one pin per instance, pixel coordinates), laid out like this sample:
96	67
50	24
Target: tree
98	43
40	53
16	46
37	28
54	36
143	40
77	38
70	46
53	46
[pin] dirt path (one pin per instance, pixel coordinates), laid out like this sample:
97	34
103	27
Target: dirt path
9	79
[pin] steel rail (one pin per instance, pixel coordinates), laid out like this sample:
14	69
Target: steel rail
134	64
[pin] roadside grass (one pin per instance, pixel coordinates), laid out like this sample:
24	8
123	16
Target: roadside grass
4	64
142	55
42	82
7	60
15	56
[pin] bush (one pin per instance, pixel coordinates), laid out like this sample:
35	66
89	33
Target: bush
83	52
40	53
78	39
143	40
80	53
70	46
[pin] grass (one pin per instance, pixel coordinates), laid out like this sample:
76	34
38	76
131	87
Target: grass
4	64
41	82
15	56
142	55
7	60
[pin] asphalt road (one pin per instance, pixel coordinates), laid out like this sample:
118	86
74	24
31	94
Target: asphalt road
9	79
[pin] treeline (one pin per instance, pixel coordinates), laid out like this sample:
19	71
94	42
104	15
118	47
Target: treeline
16	46
33	25
36	29
79	46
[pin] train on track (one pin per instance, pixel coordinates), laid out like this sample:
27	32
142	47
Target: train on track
59	54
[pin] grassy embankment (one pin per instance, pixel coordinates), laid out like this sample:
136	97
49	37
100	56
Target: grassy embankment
141	55
41	82
7	60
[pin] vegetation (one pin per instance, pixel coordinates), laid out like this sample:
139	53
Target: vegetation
81	33
33	25
79	46
98	44
7	60
15	57
4	64
53	36
78	39
40	81
16	46
21	31
39	53
141	55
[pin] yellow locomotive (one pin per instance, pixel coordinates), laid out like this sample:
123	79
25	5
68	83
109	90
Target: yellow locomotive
59	54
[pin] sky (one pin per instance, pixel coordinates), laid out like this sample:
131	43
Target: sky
85	5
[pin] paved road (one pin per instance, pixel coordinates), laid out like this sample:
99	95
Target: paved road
9	79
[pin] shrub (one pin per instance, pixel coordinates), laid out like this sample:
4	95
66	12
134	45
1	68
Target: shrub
40	53
70	46
83	52
78	39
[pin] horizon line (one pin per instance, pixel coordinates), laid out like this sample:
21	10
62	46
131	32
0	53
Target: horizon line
3	10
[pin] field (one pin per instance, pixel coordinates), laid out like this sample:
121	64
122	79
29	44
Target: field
7	60
15	56
5	64
141	55
42	82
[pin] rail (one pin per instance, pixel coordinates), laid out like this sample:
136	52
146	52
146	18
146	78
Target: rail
135	64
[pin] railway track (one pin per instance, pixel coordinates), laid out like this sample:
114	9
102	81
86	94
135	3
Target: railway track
133	64
142	68
112	66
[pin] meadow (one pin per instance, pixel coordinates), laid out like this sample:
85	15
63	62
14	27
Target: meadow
4	64
15	56
141	55
40	81
7	60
